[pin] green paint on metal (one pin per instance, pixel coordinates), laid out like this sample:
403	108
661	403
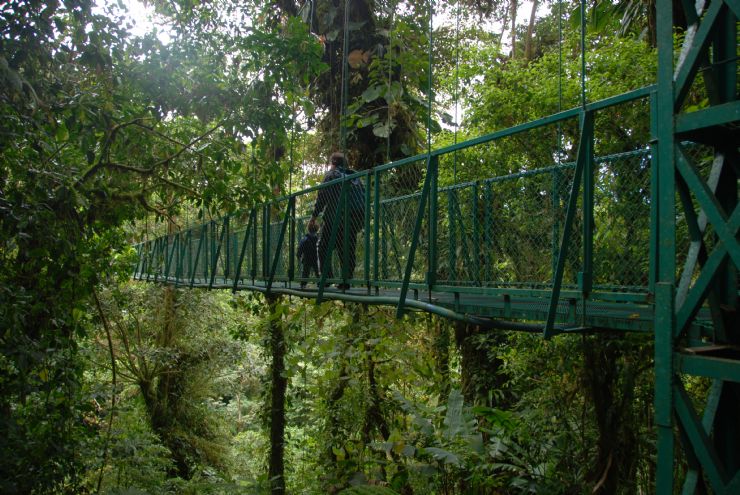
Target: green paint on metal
476	236
281	238
366	230
452	248
216	249
332	241
376	226
587	141
708	366
197	253
247	231
587	124
688	66
432	255
432	166
699	440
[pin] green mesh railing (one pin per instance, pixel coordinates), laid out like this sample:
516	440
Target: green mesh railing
510	222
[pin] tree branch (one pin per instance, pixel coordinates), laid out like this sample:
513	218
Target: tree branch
146	171
188	146
114	383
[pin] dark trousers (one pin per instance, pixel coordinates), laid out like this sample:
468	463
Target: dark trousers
351	255
307	268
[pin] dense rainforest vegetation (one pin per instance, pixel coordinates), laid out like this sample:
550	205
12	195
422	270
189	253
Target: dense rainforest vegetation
107	138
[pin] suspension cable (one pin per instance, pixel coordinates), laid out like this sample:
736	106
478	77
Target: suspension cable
345	82
560	79
456	95
390	75
583	53
429	80
292	137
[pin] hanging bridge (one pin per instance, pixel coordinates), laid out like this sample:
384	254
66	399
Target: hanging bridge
558	246
601	232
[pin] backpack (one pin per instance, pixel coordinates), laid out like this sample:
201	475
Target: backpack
356	194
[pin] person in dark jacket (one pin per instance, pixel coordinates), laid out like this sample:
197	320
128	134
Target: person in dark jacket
307	254
327	202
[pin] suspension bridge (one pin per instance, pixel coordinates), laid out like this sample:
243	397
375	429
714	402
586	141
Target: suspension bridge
622	236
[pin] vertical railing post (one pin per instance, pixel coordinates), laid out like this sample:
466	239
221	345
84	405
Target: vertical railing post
555	221
452	249
255	236
586	276
433	219
665	240
366	250
216	251
190	268
587	123
201	240
432	162
243	250
476	236
212	251
266	226
291	239
155	249
139	262
384	243
376	228
346	219
279	244
169	256
181	257
487	231
227	243
653	262
326	263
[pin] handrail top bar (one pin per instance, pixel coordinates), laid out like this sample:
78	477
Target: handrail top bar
636	94
551	119
534	124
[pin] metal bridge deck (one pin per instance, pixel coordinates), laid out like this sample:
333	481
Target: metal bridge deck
502	308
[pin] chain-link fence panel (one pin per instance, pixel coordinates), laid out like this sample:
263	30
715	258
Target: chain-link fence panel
398	198
621	236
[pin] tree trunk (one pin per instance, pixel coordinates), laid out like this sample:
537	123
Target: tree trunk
279	385
513	28
610	376
530	31
442	356
480	366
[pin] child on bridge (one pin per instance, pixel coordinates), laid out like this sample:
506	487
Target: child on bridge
308	254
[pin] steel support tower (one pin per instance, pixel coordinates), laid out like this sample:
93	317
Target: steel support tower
702	198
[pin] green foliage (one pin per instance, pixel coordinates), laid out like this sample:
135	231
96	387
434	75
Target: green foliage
367	490
103	134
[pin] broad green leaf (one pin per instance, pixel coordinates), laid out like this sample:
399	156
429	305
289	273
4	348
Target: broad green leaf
382	129
454	417
444	456
372	93
62	134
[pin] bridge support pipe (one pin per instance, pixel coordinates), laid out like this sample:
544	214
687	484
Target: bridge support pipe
489	323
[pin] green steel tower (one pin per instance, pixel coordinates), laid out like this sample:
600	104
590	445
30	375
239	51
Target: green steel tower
702	198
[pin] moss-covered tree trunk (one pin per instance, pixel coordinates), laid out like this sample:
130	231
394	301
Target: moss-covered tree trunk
278	389
162	389
441	354
611	369
480	365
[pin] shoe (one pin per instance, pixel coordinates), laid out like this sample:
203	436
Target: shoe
343	286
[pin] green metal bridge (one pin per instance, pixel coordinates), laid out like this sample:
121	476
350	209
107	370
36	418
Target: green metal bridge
488	251
608	234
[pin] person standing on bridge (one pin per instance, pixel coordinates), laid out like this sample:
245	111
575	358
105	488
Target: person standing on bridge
327	203
307	254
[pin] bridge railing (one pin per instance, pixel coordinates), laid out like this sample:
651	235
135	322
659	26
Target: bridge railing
506	211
